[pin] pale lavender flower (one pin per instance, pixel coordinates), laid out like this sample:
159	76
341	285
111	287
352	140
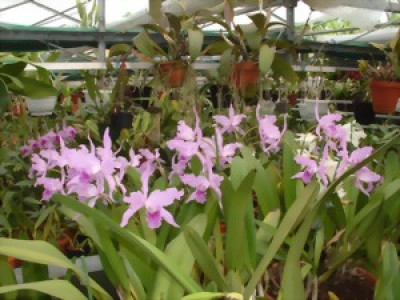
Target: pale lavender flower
231	123
202	184
365	179
39	166
68	133
34	145
215	145
154	202
51	186
26	150
270	136
310	168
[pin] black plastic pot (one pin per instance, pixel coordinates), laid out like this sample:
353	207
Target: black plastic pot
120	120
282	107
136	94
225	95
363	112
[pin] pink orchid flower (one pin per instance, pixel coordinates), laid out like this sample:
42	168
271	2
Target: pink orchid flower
187	141
231	123
215	145
201	184
310	168
270	136
154	202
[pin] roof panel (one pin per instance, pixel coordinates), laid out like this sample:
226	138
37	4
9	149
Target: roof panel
26	14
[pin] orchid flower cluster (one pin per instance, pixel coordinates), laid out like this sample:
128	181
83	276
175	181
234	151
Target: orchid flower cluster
48	141
327	155
95	174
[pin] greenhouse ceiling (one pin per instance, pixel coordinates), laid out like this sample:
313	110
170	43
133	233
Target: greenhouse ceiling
27	25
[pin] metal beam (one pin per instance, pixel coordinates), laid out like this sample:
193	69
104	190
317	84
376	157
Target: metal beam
69	66
56	14
68	36
102	29
14	5
55	11
290	19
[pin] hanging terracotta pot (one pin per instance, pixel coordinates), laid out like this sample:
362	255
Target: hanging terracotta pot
245	76
18	109
385	95
173	73
292	99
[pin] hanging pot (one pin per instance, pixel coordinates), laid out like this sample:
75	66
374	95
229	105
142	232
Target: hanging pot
363	112
173	73
41	107
245	76
18	109
292	98
307	109
385	95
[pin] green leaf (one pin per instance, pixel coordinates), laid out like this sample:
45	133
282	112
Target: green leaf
119	49
7	277
33	273
254	40
61	289
204	257
235	203
13	69
90	84
135	283
292	287
266	188
290	168
155	10
144	44
225	63
13	79
34	89
129	240
203	296
259	20
282	68
389	273
183	260
82	13
266	58
42	253
288	223
196	39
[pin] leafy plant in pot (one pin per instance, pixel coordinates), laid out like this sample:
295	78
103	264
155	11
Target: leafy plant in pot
315	94
384	78
37	87
183	38
247	51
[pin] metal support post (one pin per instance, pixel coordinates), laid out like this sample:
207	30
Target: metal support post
102	29
290	18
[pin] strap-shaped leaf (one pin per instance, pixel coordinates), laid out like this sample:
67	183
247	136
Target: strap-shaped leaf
131	241
204	257
61	289
196	39
266	58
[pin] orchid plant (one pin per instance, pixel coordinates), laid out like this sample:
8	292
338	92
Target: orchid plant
146	217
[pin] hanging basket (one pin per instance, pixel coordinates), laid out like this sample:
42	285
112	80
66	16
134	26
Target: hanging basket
173	73
385	95
245	77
